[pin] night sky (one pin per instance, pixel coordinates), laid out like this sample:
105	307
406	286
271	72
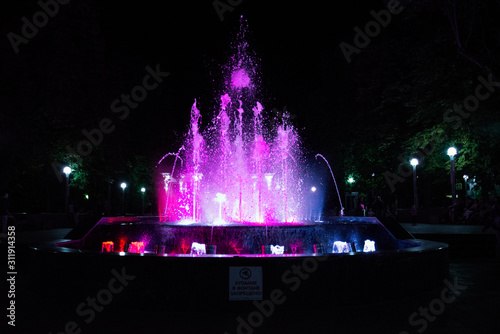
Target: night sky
64	79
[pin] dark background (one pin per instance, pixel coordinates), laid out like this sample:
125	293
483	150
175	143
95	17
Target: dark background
387	102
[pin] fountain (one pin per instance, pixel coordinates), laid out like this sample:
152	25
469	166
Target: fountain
236	170
236	201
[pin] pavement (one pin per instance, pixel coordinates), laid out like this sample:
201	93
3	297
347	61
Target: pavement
446	229
467	302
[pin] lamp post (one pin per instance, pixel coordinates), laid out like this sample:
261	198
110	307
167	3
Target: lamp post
351	181
466	178
123	185
452	151
312	203
66	170
414	163
143	190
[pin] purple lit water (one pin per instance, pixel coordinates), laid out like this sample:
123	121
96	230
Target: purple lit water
239	165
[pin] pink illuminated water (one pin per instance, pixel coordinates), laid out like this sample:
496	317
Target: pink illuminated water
237	167
240	78
136	247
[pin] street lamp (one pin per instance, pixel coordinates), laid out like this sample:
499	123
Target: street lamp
312	202
352	202
123	185
143	190
451	153
414	163
466	178
66	170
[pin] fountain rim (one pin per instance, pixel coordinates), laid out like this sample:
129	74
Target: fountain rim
188	222
64	245
58	246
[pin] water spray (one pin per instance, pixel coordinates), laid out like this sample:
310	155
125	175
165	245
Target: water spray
340	200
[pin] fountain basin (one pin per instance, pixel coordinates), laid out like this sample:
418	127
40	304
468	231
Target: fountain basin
177	279
237	238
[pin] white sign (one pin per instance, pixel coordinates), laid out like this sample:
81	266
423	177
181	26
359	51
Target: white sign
245	283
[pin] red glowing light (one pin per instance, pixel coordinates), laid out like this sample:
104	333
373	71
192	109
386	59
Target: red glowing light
108	246
237	248
184	246
296	247
123	241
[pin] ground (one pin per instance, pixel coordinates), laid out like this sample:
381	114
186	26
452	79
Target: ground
467	302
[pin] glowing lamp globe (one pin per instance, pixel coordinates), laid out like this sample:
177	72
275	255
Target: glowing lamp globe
67	170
